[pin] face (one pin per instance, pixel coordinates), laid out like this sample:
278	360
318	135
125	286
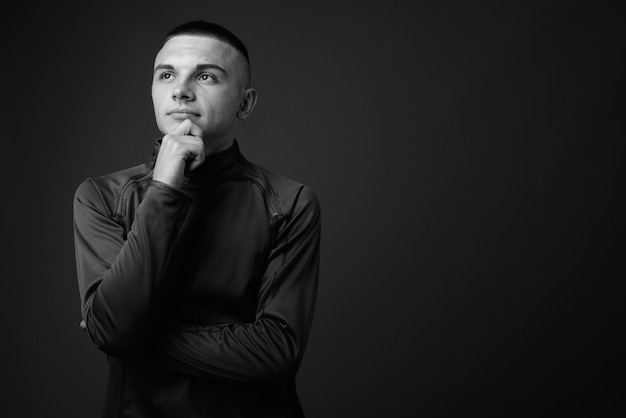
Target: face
198	78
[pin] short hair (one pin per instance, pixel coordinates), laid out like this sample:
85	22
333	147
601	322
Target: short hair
213	30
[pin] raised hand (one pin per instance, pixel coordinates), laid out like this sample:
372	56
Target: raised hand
180	149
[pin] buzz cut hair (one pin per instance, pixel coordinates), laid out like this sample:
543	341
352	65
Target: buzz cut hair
213	30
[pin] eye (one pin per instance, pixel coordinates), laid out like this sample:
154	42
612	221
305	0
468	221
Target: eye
207	77
165	76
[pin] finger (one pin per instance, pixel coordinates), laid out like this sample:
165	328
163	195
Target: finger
196	161
194	129
182	128
196	155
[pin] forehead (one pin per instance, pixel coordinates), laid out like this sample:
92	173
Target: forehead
195	49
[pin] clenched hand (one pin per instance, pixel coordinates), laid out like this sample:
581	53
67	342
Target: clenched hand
181	149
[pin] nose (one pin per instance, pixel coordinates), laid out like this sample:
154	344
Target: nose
182	92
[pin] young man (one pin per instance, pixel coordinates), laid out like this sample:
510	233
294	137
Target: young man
198	270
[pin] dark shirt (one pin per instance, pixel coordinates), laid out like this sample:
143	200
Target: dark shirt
202	297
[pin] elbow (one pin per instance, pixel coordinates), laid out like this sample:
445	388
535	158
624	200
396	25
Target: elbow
281	369
110	339
114	333
282	358
116	346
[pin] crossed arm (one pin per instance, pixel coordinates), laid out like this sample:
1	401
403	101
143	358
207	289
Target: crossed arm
123	285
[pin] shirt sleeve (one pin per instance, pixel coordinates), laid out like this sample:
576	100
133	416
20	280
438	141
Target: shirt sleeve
271	347
120	275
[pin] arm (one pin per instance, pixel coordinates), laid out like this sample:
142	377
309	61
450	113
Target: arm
272	347
121	279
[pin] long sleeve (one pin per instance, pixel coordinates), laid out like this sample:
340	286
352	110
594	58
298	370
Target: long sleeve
271	347
120	274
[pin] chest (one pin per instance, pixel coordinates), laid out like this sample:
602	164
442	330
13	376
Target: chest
220	255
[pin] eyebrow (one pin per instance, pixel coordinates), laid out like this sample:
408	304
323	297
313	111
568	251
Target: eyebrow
198	67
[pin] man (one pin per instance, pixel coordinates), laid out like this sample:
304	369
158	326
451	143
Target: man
198	270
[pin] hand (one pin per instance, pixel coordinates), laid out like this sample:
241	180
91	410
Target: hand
180	149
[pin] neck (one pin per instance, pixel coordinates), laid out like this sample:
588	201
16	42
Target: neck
215	145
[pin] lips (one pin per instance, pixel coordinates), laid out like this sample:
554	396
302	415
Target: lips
182	111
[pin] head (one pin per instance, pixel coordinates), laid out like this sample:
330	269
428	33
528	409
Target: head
202	73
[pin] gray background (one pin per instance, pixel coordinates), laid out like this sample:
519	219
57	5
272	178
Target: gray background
466	158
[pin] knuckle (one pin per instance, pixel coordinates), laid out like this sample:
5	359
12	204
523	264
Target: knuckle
170	141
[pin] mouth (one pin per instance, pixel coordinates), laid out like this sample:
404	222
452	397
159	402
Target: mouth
182	112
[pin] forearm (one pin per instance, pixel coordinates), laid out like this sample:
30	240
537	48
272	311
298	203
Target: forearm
256	352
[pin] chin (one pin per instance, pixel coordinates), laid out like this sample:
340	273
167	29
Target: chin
166	128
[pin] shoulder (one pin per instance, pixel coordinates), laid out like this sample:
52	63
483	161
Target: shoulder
104	192
290	195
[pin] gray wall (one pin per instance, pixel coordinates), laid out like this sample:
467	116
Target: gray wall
466	158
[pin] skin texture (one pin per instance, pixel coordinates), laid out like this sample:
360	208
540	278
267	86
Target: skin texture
198	93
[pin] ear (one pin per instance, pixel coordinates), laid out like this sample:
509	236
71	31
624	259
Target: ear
247	104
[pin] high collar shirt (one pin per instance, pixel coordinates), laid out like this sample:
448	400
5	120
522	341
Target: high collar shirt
202	296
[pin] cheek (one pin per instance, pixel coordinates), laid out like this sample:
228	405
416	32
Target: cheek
156	99
160	95
229	104
159	109
224	102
